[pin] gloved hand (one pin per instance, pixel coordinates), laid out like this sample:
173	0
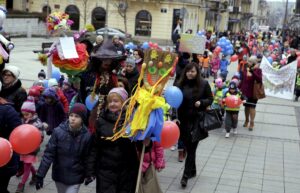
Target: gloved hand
88	180
39	182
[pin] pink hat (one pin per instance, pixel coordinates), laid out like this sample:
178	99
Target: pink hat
120	91
28	105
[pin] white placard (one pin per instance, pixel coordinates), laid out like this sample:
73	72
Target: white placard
68	47
279	83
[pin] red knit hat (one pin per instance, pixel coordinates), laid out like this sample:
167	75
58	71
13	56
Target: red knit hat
80	110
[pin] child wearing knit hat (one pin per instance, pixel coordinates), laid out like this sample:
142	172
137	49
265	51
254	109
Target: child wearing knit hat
120	154
29	117
66	151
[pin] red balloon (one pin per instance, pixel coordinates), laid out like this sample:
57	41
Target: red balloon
25	139
6	151
298	53
218	49
233	101
234	58
270	47
169	134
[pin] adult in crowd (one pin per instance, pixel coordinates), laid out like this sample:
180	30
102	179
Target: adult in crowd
251	73
9	119
12	89
139	58
131	73
292	57
197	96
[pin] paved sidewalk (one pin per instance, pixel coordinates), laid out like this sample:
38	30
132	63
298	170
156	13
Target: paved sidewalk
266	160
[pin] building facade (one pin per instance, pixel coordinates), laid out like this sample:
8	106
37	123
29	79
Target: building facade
148	18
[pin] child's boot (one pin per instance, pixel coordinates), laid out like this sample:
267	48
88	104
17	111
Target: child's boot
180	155
20	188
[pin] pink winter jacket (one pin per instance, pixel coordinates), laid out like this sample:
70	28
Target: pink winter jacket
157	157
215	64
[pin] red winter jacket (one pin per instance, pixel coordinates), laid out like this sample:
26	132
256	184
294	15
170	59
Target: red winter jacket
63	100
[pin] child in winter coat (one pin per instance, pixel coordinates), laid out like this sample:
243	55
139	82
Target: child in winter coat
218	95
224	63
52	83
67	149
52	111
29	117
155	157
68	91
215	65
232	114
113	163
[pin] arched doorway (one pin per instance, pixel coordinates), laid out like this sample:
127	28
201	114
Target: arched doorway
74	15
46	10
143	23
98	17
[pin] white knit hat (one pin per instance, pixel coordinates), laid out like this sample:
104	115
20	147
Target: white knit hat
13	69
52	82
28	105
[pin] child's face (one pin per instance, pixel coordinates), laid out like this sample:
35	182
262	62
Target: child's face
75	121
232	90
114	103
65	87
191	74
129	68
121	84
27	115
49	100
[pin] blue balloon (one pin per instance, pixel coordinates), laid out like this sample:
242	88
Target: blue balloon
45	83
55	73
228	42
90	103
223	45
270	59
145	45
173	96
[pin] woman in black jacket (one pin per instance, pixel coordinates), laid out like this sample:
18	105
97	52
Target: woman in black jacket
9	119
197	96
67	149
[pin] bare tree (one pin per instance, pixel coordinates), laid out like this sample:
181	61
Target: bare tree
85	7
122	6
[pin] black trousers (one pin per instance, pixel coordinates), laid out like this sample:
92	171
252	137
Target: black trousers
190	162
4	181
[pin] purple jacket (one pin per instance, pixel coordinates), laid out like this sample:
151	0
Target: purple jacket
247	83
69	94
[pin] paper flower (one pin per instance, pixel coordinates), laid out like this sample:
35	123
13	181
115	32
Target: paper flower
75	65
58	21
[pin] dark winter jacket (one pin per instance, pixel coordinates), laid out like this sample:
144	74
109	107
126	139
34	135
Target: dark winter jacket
67	151
132	78
115	164
9	119
15	94
187	112
52	114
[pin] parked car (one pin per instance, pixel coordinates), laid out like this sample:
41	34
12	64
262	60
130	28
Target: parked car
112	32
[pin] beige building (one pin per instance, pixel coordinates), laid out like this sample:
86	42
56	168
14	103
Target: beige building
149	18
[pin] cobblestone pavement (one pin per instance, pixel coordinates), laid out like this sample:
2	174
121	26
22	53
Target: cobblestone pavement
266	160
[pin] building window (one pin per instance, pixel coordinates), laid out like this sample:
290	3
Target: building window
143	22
46	9
74	15
98	17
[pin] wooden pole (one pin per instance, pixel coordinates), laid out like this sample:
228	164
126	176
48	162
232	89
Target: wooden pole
137	187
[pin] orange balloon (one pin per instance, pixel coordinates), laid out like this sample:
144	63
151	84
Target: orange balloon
6	151
233	101
25	139
234	58
169	134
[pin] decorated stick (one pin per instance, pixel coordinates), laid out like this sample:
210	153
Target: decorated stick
137	187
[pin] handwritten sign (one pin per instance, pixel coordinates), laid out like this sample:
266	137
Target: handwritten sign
279	83
192	44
